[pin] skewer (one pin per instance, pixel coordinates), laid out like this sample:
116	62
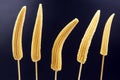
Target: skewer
19	74
80	70
102	67
36	70
55	75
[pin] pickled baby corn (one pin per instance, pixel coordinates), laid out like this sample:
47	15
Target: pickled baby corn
36	39
56	63
17	35
105	41
86	41
106	34
17	39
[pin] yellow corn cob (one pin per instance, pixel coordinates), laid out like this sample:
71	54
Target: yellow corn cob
86	40
106	34
17	35
56	63
36	39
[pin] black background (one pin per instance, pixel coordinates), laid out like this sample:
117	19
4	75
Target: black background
57	13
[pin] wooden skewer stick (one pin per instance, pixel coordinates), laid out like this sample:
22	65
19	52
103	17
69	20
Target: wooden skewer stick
36	70
55	75
19	74
102	67
80	70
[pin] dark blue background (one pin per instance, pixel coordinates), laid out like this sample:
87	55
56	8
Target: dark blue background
57	13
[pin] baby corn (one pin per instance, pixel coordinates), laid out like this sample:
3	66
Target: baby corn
106	34
105	41
36	39
56	63
86	41
17	35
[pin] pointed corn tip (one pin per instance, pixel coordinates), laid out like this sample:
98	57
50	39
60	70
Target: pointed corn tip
76	19
24	8
112	15
40	4
40	8
98	13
